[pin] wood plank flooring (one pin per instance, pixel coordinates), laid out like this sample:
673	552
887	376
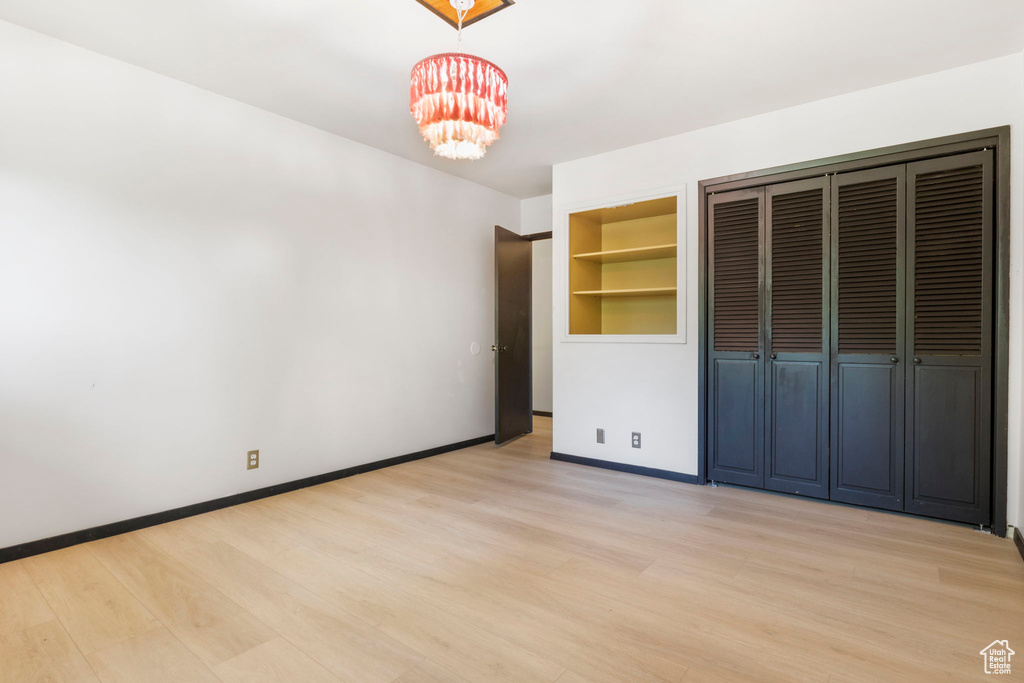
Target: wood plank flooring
500	564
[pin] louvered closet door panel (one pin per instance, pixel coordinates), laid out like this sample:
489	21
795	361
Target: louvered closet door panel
796	410
735	361
868	278
949	329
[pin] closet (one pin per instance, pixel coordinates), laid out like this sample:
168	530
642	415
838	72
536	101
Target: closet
850	324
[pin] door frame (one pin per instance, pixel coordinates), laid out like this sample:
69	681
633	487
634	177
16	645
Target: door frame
538	237
997	139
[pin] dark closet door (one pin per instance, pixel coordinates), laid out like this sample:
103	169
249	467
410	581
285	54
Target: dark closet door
513	334
736	363
796	410
949	329
868	271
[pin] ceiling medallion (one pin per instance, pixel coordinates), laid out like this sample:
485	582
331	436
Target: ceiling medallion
459	101
449	11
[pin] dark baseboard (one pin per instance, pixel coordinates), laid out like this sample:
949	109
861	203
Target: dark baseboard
622	467
46	545
1018	541
542	413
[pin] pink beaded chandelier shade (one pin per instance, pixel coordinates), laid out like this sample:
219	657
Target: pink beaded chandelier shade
460	103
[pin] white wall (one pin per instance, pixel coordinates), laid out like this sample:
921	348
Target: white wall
652	388
536	217
535	214
185	278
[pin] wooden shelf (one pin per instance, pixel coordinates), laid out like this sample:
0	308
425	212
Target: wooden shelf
647	291
636	254
623	269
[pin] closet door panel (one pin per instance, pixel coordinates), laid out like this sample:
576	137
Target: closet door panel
945	435
949	329
736	366
737	423
869	408
796	436
868	342
797	257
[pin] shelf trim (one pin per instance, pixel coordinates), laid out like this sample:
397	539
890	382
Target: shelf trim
644	253
646	291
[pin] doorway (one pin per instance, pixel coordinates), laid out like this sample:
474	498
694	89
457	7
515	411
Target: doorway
542	326
523	332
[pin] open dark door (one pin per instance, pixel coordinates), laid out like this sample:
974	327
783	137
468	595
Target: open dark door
513	345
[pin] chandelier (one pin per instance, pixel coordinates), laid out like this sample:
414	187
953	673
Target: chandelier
459	101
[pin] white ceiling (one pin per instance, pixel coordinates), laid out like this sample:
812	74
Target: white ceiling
586	76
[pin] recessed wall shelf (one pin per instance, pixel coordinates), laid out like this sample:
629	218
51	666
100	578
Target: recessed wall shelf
623	269
645	291
634	254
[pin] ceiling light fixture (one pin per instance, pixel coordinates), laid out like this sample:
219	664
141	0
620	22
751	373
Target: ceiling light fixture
459	101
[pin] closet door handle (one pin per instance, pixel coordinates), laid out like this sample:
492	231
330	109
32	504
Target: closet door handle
773	356
894	359
917	360
756	356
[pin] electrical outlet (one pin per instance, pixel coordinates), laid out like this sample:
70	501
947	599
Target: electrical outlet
253	461
636	439
600	435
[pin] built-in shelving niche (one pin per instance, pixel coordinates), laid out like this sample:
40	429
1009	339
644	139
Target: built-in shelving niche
622	269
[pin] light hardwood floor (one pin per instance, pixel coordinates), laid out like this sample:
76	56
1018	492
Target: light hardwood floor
500	564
